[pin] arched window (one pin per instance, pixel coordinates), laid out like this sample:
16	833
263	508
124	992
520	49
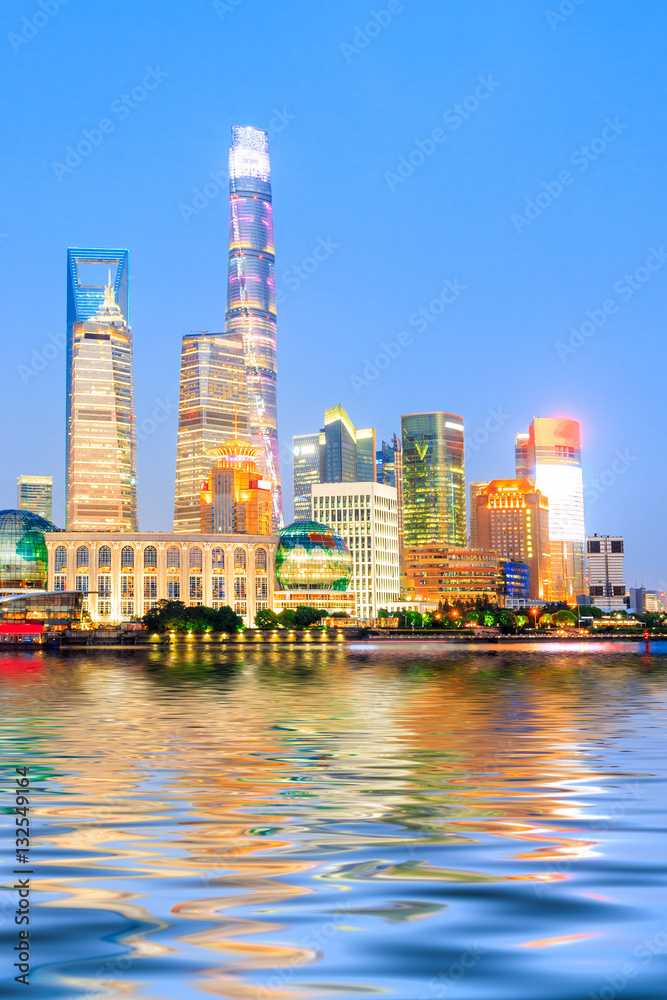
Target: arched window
195	559
260	560
60	562
173	558
127	558
82	556
104	557
218	560
150	557
239	560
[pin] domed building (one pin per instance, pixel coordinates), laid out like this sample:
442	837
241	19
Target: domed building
23	554
313	567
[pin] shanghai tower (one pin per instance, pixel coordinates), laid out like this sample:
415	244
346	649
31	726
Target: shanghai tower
251	294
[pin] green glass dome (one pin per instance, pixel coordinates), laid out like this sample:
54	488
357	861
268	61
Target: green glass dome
23	556
311	557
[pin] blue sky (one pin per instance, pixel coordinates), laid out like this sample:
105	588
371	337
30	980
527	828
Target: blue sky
531	145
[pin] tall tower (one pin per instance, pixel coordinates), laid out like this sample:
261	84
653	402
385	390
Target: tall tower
551	457
35	493
251	294
102	453
212	408
512	519
306	452
236	500
87	270
434	499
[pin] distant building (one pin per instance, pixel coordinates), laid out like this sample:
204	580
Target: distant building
35	493
513	582
236	500
450	573
349	454
473	490
638	600
366	516
550	455
434	500
213	408
605	566
306	472
512	518
654	601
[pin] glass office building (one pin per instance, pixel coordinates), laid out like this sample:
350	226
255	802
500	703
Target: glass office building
349	454
433	487
212	409
87	276
35	493
251	293
102	451
551	456
306	472
23	551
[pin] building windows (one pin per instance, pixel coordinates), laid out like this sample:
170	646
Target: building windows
60	563
126	558
239	560
196	591
104	558
81	582
173	558
60	581
218	560
260	561
195	559
104	586
150	591
619	591
261	588
127	609
593	546
240	588
126	585
173	588
617	546
218	591
150	558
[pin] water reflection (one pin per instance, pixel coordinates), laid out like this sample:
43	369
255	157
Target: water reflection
281	822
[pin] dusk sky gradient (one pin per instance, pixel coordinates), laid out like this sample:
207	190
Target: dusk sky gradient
345	119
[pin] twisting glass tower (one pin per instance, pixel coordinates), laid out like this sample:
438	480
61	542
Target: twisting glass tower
251	293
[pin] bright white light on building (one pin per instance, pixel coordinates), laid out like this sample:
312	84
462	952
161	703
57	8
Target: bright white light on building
563	485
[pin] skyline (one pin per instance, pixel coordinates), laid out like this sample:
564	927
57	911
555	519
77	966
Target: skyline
526	318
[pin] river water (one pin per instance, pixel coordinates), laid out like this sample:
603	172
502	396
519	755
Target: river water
412	821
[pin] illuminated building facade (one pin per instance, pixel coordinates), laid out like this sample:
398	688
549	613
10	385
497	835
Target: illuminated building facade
551	457
125	577
35	493
366	516
473	490
23	551
212	409
513	582
605	570
436	572
236	500
306	472
87	275
434	500
251	294
102	450
512	518
348	454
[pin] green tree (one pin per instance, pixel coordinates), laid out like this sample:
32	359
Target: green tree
588	611
307	616
266	619
287	618
174	616
565	617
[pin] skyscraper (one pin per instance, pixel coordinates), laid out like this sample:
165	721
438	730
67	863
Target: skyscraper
512	519
87	274
102	452
434	501
35	493
349	454
251	293
236	500
213	408
473	490
551	457
306	468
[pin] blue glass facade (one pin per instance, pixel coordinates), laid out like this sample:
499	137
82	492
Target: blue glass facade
251	293
514	579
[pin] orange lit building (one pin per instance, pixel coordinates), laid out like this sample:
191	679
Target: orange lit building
512	519
450	573
236	500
